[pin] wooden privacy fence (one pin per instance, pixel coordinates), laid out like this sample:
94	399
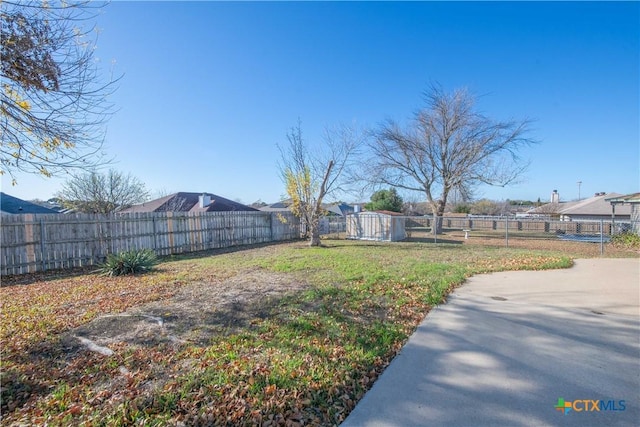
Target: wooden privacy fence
34	242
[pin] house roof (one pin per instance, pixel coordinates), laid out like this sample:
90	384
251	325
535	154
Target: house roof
188	202
13	205
282	206
628	198
597	205
340	209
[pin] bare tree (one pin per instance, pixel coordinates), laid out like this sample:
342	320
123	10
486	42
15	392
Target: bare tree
177	203
487	207
53	102
93	192
310	176
161	192
447	147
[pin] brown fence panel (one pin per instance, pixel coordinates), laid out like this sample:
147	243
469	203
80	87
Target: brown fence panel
34	242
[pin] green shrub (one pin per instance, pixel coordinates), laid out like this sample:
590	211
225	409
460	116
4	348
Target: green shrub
627	239
129	262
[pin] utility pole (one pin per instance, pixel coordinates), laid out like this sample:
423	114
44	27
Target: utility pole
579	184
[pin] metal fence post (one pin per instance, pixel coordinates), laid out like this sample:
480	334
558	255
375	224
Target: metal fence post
435	228
601	237
506	231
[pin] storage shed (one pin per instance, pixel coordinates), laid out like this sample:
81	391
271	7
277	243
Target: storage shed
382	226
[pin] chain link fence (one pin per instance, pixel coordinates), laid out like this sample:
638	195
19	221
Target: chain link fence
505	231
509	231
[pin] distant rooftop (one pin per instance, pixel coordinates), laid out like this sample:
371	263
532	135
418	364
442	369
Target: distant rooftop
13	205
189	202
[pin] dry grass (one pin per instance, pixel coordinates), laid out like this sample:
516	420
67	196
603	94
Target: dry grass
274	335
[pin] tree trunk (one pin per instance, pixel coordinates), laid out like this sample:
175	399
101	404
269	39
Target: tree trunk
315	236
438	211
314	223
437	224
314	227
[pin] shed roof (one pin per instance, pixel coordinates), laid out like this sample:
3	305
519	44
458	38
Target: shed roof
388	213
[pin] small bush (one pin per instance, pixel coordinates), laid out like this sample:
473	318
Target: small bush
129	262
627	239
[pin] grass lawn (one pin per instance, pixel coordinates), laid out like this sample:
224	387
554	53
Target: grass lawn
272	335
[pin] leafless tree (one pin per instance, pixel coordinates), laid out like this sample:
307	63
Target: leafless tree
414	208
448	146
311	175
177	203
93	192
161	192
487	207
53	102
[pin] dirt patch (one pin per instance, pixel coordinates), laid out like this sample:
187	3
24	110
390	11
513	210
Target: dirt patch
196	313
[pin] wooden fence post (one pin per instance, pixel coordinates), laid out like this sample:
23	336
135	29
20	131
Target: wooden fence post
155	237
42	245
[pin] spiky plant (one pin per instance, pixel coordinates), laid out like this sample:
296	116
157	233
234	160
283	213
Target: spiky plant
129	262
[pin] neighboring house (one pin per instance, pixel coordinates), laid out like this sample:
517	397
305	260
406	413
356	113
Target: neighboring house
13	205
333	209
594	208
189	202
633	202
283	206
339	209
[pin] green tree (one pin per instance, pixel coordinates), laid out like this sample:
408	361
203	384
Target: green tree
53	102
385	200
93	192
462	208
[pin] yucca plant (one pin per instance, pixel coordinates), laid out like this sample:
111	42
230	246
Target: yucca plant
129	262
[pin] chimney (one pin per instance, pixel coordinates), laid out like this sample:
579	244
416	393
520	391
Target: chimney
204	200
555	197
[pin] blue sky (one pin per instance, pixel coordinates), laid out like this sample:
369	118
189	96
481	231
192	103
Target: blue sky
210	88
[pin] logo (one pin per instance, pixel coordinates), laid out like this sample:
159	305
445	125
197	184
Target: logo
563	406
589	405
